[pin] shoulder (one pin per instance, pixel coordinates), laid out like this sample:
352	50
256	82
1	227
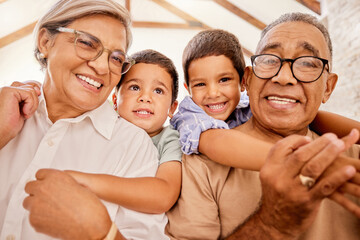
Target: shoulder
201	163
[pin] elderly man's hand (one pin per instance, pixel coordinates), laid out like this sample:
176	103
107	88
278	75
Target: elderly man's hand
287	205
17	103
61	208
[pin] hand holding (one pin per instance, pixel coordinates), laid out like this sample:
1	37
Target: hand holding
61	208
287	205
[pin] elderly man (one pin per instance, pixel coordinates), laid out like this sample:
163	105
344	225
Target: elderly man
289	79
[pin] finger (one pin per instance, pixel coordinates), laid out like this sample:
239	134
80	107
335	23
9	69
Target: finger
317	165
35	84
30	187
351	188
41	174
327	185
351	138
286	146
30	104
17	84
346	203
356	179
306	152
27	203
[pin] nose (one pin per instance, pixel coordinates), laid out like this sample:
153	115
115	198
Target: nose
213	90
100	64
145	97
285	76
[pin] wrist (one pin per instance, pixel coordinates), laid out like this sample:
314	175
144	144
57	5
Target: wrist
269	226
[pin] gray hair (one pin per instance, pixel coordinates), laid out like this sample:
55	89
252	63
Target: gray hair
65	12
299	17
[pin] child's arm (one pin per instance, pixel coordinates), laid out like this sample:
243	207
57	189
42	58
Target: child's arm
234	148
146	194
330	122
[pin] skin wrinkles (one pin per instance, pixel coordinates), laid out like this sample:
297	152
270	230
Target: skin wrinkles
66	94
284	117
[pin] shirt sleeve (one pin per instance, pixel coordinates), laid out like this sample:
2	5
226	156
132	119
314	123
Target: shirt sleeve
170	148
195	215
191	121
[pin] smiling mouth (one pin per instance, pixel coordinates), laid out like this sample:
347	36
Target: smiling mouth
143	112
218	107
90	81
280	100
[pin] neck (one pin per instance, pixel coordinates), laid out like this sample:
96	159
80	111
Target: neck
256	129
56	108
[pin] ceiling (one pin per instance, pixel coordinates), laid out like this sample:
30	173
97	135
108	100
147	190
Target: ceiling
242	17
163	25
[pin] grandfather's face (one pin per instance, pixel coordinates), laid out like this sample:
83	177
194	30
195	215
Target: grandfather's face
283	104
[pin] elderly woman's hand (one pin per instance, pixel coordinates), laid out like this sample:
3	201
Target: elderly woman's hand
17	103
60	207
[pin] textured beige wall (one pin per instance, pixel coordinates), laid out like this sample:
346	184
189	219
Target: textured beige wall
343	19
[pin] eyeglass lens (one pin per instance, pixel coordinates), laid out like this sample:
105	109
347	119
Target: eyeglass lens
306	69
90	48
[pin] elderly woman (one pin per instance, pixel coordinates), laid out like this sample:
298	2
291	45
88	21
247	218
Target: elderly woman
82	47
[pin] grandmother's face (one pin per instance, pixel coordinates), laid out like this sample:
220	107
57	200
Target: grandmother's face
283	104
81	85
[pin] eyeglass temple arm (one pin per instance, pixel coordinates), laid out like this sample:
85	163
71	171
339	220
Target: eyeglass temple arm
62	29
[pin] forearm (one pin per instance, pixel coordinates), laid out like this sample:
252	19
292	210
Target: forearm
330	122
145	194
256	229
234	148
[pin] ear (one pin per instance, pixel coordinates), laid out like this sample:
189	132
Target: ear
44	42
187	87
172	109
330	86
246	78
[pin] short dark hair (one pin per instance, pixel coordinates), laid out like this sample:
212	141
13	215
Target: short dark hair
299	17
214	42
150	56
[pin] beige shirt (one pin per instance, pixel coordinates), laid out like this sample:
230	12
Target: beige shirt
216	199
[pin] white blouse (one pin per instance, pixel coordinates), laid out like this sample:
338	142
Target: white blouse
98	141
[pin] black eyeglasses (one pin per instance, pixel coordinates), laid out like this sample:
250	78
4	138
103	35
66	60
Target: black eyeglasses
89	47
303	69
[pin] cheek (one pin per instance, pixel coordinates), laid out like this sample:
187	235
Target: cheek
196	97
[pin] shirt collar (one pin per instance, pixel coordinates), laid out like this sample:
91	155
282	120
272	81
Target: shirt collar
103	118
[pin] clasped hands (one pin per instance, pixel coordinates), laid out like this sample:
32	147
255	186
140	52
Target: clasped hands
288	203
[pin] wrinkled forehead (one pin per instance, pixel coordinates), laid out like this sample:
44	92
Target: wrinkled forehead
294	37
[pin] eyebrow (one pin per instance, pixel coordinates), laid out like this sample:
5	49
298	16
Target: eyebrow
309	47
162	84
305	45
99	41
268	46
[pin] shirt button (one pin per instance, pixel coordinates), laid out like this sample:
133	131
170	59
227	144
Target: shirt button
50	143
10	237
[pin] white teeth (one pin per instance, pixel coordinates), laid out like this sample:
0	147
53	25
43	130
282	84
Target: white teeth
281	100
143	112
90	81
217	106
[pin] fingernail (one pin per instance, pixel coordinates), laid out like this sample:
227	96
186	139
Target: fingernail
350	171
